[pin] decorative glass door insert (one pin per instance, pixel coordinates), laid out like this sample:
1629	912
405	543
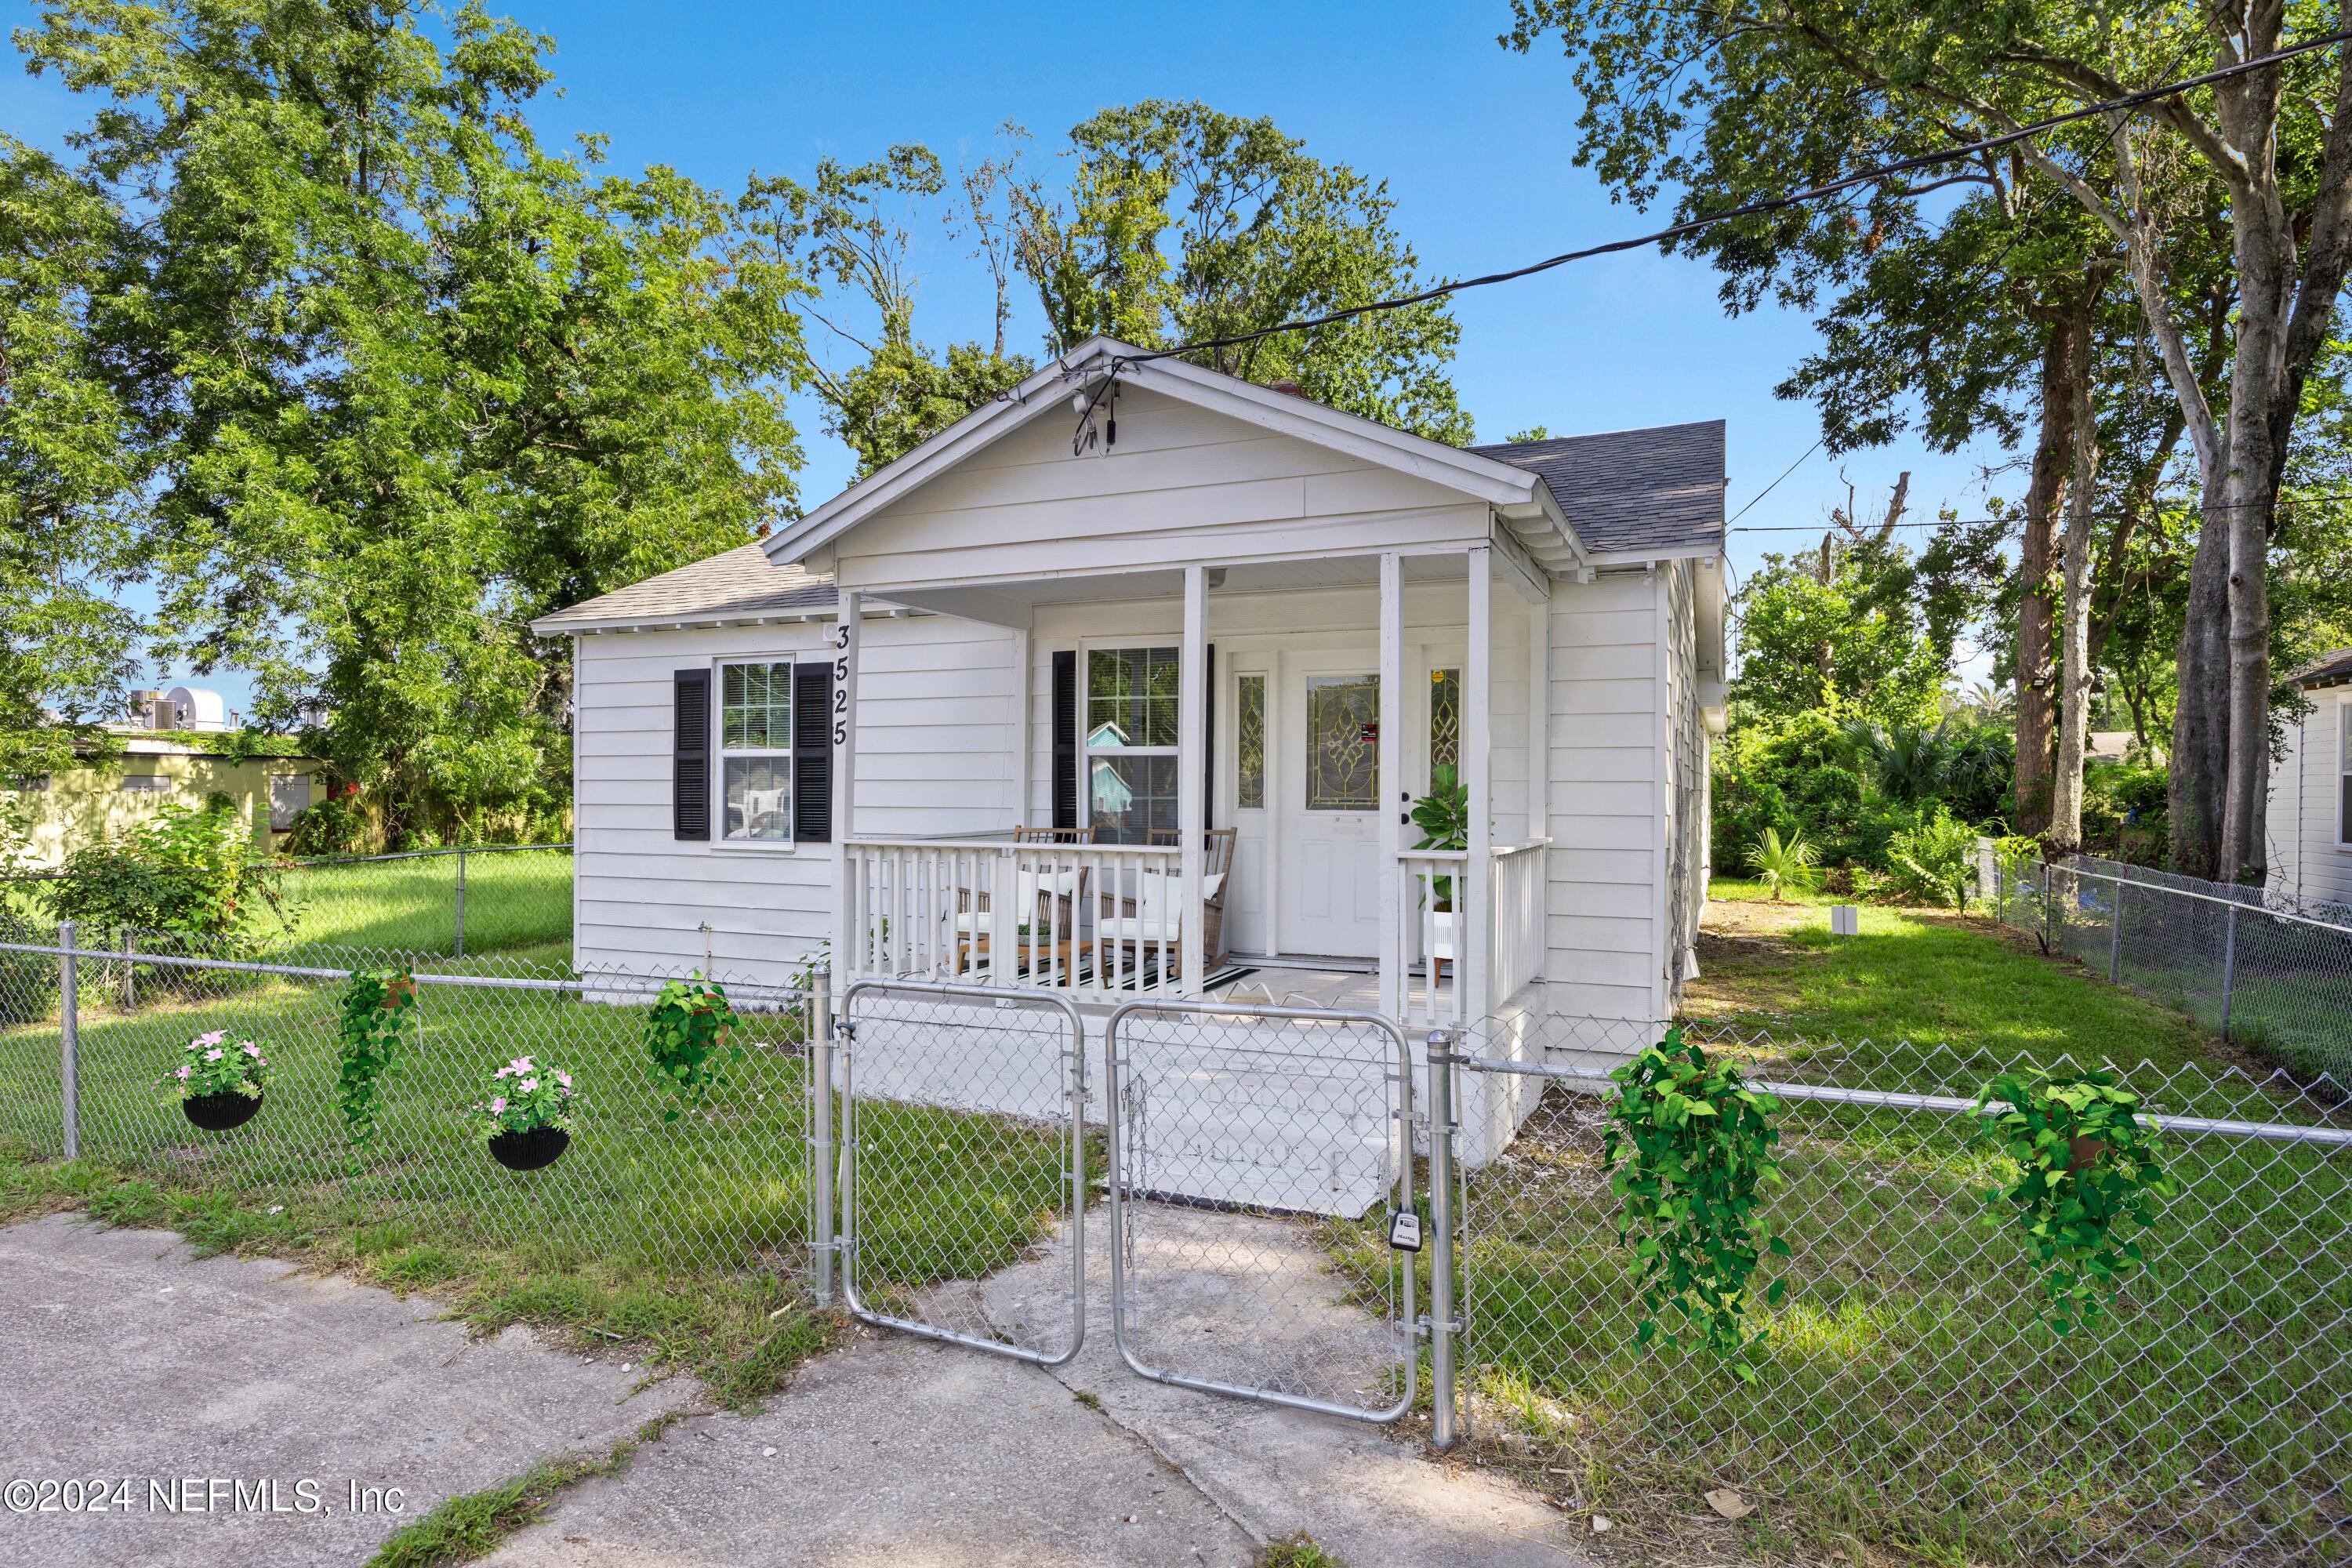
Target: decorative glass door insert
1342	739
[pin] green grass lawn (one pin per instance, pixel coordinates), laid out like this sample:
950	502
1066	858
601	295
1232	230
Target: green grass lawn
686	1233
1911	1397
513	898
1936	980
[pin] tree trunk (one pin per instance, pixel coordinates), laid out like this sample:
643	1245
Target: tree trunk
2035	676
2199	772
2066	832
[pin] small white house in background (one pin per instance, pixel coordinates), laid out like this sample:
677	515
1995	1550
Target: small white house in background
2311	789
1216	637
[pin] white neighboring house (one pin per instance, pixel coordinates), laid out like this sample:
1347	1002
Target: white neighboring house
1256	623
2311	789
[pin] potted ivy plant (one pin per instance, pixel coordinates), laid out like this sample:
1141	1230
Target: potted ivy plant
1444	817
527	1118
220	1082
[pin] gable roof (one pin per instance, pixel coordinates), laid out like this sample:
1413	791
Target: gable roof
1469	472
736	584
1633	492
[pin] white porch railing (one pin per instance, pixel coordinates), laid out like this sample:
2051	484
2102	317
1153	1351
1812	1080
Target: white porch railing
1103	921
1432	936
1516	911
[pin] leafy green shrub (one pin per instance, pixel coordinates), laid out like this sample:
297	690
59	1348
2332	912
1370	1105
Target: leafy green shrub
1787	866
184	870
2085	1162
688	1030
28	980
1698	1150
375	1010
1444	817
1933	862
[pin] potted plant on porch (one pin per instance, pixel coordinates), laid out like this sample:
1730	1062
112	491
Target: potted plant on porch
219	1081
527	1119
1444	817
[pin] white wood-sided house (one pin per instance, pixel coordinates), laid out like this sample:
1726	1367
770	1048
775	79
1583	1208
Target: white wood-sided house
2311	788
1126	684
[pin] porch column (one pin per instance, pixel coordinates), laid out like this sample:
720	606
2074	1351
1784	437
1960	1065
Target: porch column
848	956
1473	920
1191	774
1021	677
1394	796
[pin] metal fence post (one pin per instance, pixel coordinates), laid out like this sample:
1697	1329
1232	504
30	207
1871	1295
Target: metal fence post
70	1038
2116	938
461	900
129	971
1442	1394
2049	897
2229	964
820	1226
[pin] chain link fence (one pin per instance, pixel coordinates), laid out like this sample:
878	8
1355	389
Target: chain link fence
505	898
2258	969
88	1035
1911	1391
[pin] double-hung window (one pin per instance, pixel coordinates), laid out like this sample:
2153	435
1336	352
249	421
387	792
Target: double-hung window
1130	742
755	752
2344	773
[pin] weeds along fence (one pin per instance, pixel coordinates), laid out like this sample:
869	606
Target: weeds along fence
455	903
86	1036
2264	972
1910	1390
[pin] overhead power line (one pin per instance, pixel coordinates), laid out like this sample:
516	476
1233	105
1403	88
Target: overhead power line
1979	521
1752	209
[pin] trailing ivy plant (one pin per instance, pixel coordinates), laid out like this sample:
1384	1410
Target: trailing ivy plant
1690	1149
377	1004
2085	1163
689	1030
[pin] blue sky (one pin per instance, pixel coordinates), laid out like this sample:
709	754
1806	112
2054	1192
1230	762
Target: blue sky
1473	140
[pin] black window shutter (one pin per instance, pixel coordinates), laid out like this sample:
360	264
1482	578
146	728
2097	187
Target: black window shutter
1065	738
1209	737
812	751
691	755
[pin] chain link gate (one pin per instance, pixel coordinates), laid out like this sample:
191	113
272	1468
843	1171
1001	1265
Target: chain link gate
1260	1158
962	1151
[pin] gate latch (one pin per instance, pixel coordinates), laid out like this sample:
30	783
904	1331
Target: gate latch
1404	1231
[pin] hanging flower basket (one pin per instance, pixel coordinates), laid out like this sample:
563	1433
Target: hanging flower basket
219	1081
219	1112
531	1151
526	1120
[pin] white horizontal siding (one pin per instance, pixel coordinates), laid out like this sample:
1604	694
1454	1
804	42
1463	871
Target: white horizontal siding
1183	484
1606	795
2307	860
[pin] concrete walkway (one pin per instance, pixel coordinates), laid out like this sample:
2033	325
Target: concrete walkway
904	1453
132	1362
240	1410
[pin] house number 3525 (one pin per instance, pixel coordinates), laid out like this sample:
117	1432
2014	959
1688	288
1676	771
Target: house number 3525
841	685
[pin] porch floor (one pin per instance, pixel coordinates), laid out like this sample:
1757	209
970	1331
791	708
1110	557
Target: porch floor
1292	983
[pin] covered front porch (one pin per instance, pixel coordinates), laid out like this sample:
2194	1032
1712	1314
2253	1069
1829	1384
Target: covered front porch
1216	764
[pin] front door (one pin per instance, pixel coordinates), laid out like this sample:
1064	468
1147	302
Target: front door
1328	831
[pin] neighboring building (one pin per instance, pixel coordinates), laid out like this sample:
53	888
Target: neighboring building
1229	608
93	802
2311	789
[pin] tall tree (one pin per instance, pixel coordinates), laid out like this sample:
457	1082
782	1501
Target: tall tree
405	379
71	465
1185	223
2277	141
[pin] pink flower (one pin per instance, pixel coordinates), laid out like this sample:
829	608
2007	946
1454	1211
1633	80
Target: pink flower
530	1084
214	1039
520	1063
564	1078
499	1105
184	1070
215	1054
251	1049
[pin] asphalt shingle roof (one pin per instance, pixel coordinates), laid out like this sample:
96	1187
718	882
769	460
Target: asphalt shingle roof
2327	669
737	582
1631	491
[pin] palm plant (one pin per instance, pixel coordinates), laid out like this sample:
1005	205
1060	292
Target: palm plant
1782	867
